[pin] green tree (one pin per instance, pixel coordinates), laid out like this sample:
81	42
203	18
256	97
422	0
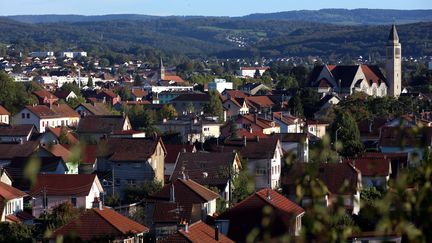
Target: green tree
125	93
243	184
74	102
63	138
90	82
214	107
12	94
133	194
346	135
296	106
14	233
62	214
71	87
138	80
167	112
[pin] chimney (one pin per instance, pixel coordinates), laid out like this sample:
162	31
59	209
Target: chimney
244	141
255	117
268	194
217	233
172	193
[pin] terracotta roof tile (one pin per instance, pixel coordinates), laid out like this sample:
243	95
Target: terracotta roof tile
97	108
16	130
56	131
3	111
64	110
100	124
247	215
96	223
8	192
128	149
197	232
64	184
173	151
371	166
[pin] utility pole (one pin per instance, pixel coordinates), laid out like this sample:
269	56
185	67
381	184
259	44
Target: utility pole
45	201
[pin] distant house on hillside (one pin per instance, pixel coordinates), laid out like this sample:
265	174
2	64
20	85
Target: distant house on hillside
4	115
250	72
93	109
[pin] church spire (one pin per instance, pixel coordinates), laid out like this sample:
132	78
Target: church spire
161	70
393	36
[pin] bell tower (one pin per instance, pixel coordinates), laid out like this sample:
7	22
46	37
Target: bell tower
394	63
161	70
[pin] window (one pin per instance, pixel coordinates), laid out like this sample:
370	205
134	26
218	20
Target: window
74	201
43	124
117	182
131	182
28	115
22	115
260	171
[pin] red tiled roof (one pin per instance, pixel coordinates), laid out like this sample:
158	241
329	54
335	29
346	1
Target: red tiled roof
100	124
340	178
260	122
171	212
3	111
371	166
174	78
405	136
59	151
128	149
64	110
259	101
185	191
44	93
88	154
234	93
62	94
63	184
173	151
262	149
139	92
8	192
96	223
42	111
56	131
247	215
16	130
197	232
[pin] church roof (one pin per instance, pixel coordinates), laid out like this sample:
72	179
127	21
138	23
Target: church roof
393	36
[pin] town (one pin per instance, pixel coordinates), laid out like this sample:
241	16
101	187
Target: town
284	150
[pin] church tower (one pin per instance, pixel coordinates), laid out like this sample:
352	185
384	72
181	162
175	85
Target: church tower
161	70
394	64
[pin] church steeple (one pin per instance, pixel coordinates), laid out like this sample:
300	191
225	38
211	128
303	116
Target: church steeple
393	36
394	63
161	70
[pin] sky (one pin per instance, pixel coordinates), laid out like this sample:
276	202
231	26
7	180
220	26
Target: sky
193	7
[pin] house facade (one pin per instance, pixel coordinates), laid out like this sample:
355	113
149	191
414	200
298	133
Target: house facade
4	115
52	190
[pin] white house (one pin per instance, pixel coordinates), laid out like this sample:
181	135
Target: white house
250	71
11	199
51	190
4	115
220	85
42	116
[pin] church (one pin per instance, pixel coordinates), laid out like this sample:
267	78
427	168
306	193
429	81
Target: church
348	79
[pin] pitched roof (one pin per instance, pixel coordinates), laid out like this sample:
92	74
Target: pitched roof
63	94
128	149
64	110
16	130
56	131
63	184
139	92
96	108
247	214
59	150
393	35
174	78
197	232
3	111
8	192
405	136
205	168
89	153
171	212
259	101
44	93
8	151
233	93
100	124
256	120
185	191
340	178
371	166
42	111
173	151
96	223
262	149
